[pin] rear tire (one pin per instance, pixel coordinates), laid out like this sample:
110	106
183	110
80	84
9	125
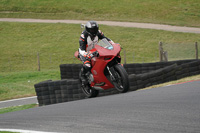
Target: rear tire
122	82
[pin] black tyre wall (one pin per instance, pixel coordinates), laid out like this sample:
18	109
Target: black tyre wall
140	75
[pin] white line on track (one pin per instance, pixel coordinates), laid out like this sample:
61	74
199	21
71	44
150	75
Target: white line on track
23	131
18	99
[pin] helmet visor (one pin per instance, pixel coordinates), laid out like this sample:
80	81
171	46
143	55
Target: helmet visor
93	31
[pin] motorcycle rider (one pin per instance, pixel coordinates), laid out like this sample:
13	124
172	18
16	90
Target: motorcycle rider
89	37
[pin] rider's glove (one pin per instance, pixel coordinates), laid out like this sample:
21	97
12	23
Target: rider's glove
88	55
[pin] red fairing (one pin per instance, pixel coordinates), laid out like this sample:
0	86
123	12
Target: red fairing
99	63
107	51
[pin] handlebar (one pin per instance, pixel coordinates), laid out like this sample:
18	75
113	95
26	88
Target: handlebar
96	54
92	55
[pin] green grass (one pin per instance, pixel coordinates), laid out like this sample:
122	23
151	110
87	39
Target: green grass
20	43
21	84
178	51
173	12
16	108
56	44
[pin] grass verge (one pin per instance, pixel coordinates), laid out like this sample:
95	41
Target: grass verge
187	79
7	132
17	108
56	44
21	84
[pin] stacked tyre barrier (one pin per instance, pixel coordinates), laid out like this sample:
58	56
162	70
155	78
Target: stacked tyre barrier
141	75
162	75
52	92
42	92
140	68
65	90
70	71
172	71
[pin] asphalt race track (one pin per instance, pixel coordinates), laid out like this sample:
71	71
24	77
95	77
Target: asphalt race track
170	109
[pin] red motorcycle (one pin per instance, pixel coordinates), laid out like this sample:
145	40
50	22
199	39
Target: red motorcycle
106	72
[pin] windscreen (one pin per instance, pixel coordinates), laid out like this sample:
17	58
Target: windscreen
105	44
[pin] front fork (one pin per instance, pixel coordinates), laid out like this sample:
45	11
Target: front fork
111	72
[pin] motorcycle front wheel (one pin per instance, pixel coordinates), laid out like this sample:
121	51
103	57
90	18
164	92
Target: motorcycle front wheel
121	81
87	89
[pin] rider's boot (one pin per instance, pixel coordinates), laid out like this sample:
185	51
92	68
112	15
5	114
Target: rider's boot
83	76
86	72
89	76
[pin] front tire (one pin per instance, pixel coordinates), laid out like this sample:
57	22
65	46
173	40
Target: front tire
121	81
87	89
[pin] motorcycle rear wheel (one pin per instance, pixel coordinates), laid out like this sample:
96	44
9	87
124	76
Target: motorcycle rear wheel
121	82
